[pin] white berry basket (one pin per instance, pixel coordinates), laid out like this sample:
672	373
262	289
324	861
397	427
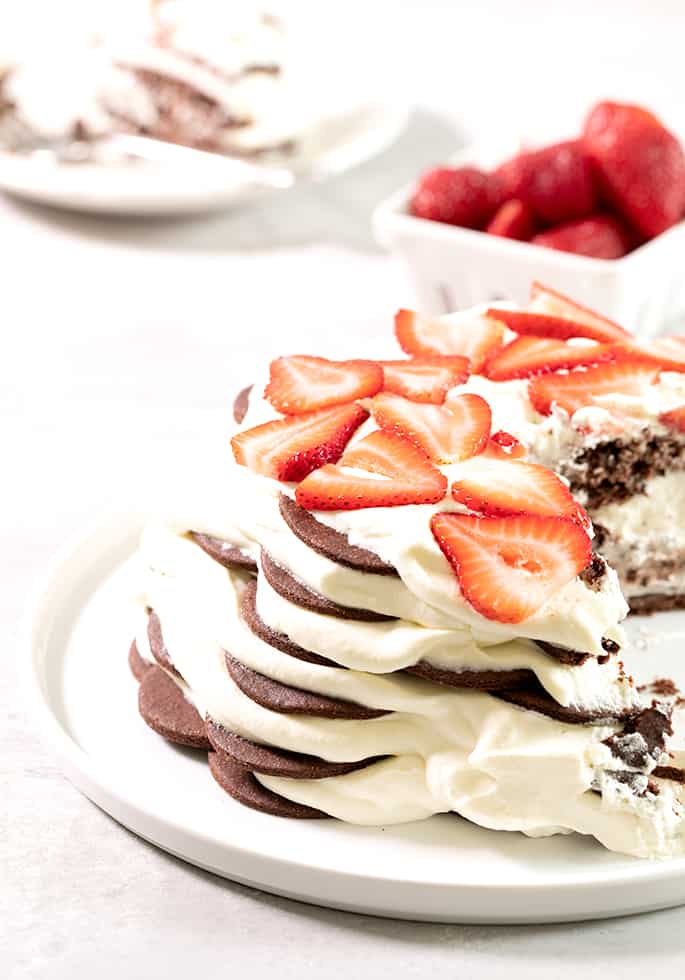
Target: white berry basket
453	268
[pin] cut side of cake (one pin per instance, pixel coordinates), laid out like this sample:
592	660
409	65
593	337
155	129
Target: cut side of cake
610	420
388	601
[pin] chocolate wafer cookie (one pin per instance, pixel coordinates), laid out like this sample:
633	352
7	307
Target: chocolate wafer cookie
156	641
645	605
292	700
252	619
481	680
328	542
277	762
165	709
227	554
137	665
535	698
241	404
283	582
241	784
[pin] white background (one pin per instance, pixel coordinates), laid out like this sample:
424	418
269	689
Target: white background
122	343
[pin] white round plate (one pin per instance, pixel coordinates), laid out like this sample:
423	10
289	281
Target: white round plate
442	869
332	146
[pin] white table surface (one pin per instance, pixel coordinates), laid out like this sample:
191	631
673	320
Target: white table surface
122	345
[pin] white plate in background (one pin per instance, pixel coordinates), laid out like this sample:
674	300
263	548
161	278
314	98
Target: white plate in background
441	869
332	146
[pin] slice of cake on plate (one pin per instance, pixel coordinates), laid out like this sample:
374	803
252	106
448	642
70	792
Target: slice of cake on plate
388	605
203	74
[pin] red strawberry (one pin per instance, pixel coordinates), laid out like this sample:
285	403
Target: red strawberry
424	379
514	219
502	445
527	356
475	337
599	237
302	384
508	567
497	487
290	448
463	196
580	388
543	299
411	477
548	319
640	165
556	182
446	433
666	353
675	419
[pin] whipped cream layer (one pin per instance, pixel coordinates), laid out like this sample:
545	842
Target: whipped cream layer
501	766
379	648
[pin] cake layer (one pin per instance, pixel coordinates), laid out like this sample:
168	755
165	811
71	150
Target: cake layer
495	763
369	649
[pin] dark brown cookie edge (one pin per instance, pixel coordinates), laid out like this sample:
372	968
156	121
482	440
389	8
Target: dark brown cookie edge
645	605
330	543
282	581
224	552
279	641
481	680
287	700
241	403
273	761
137	665
164	708
243	787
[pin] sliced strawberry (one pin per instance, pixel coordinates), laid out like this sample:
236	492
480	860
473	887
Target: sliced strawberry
527	356
513	220
475	337
410	477
425	379
580	388
290	448
302	384
532	324
666	353
497	487
502	445
556	304
675	419
508	567
446	433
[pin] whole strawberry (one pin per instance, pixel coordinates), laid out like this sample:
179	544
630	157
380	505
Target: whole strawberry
556	182
464	196
639	163
600	237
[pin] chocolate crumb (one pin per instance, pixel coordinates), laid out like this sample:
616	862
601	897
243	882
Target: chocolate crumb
593	574
662	686
669	772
